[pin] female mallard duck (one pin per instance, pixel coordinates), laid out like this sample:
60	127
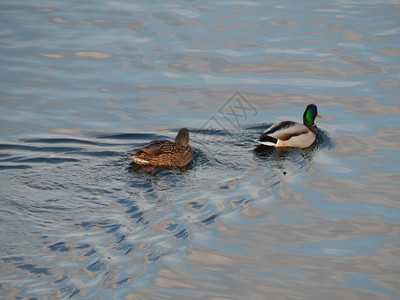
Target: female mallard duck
164	153
292	134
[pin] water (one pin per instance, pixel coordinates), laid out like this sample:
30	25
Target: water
83	84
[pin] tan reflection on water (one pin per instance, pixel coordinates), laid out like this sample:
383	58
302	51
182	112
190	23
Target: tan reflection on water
93	54
389	52
352	145
262	242
389	82
316	274
58	20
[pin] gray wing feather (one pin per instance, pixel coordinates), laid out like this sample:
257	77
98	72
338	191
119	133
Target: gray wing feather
285	130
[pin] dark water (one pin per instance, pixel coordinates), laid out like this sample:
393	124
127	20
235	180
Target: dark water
83	84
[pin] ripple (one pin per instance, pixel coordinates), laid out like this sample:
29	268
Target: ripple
133	136
58	141
15	167
183	234
210	219
38	148
34	269
287	81
47	160
86	86
58	247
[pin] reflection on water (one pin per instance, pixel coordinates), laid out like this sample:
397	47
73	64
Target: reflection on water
83	86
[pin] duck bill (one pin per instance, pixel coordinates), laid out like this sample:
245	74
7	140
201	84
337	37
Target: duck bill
319	116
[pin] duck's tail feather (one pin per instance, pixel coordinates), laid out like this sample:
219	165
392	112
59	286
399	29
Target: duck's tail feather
139	160
267	144
267	140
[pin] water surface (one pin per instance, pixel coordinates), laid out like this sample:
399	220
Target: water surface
83	84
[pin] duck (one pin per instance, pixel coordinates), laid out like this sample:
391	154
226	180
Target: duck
165	153
292	134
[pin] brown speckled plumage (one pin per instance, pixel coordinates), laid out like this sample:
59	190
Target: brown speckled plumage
164	153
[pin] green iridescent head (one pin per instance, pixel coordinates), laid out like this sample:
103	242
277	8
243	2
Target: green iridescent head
310	114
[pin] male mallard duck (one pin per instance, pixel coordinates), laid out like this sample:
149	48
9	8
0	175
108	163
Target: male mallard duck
164	153
292	134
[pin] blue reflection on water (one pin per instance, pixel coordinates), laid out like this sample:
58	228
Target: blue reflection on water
83	84
342	248
367	282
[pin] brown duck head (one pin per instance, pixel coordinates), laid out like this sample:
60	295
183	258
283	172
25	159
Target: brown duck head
182	138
